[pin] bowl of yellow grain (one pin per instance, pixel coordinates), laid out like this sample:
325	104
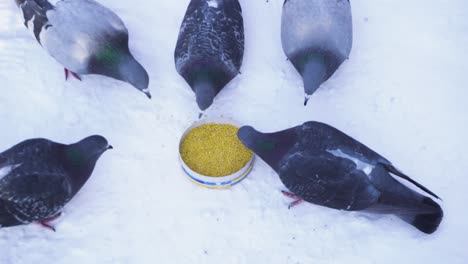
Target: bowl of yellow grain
212	156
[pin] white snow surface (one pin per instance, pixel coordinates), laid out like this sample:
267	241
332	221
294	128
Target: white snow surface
403	93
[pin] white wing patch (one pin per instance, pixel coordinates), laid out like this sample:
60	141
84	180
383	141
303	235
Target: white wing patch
4	171
213	4
361	165
31	24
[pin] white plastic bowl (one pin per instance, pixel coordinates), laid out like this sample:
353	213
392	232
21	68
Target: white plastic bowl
214	182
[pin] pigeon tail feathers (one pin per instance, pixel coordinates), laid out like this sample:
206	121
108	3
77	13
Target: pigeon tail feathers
390	168
6	218
271	147
412	207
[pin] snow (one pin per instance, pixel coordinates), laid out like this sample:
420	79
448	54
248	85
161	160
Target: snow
403	93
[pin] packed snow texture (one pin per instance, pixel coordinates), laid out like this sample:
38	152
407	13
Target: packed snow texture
403	93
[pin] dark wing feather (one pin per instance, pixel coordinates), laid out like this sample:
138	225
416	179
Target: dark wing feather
332	138
392	169
232	26
6	218
326	180
211	38
35	10
34	196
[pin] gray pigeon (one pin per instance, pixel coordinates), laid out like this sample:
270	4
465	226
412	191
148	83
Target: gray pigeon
322	165
38	177
86	38
317	36
210	47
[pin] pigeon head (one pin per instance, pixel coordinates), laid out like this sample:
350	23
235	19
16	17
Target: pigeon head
131	71
271	147
205	90
81	157
313	71
119	63
205	96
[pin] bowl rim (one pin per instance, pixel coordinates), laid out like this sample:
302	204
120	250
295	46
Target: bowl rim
227	180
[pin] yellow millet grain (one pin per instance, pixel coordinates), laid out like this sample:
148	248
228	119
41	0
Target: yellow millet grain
214	150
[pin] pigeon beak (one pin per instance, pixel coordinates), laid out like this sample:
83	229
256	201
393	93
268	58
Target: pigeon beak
147	93
306	99
109	147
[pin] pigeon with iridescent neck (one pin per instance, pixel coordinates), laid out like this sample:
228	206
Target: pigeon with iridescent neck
38	177
320	164
210	47
317	36
86	38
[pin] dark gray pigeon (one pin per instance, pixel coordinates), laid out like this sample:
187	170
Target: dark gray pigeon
210	47
86	38
321	165
38	177
317	36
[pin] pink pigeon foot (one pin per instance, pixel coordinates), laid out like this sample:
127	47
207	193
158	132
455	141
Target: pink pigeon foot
46	223
68	72
291	195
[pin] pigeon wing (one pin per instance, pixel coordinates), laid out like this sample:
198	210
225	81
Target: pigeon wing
211	33
34	15
36	147
392	169
326	180
232	26
34	196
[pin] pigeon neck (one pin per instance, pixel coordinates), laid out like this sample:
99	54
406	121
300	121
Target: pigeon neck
79	165
273	147
314	73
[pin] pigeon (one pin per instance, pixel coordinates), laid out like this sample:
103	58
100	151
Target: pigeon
86	38
38	177
210	47
316	36
321	165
